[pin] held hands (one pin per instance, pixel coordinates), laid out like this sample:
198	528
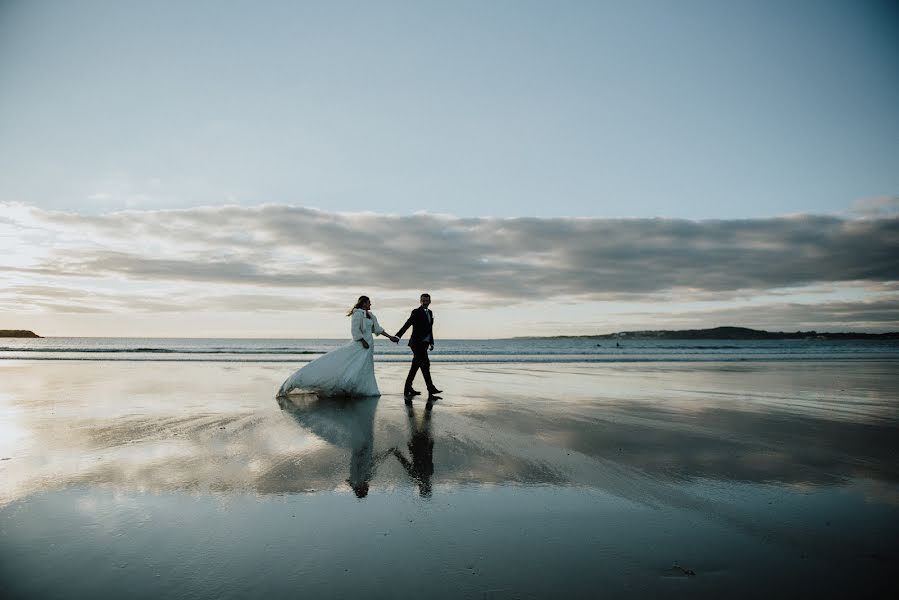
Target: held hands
394	339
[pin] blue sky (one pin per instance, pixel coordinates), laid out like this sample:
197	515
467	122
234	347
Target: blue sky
716	116
606	109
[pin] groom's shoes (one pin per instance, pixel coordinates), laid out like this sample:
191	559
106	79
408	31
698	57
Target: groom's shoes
434	391
411	392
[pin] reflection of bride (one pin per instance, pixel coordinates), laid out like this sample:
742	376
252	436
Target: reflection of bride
348	370
344	423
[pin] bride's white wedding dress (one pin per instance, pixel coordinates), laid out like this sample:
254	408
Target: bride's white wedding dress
346	371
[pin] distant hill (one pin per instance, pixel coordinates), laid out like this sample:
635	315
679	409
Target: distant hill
18	333
735	333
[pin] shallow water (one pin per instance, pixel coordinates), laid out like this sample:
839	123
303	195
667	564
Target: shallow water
523	481
530	350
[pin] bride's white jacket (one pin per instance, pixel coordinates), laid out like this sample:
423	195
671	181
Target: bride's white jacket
362	328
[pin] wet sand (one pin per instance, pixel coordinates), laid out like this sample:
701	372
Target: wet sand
524	481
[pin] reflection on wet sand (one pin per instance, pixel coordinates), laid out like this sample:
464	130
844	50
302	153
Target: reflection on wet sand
625	434
343	422
349	423
717	444
764	479
421	448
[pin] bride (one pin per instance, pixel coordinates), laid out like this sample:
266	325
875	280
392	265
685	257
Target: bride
348	370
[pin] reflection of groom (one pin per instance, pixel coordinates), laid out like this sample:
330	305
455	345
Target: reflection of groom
421	448
422	339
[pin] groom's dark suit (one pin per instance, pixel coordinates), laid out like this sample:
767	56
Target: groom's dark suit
422	322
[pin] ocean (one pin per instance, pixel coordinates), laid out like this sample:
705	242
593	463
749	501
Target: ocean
529	350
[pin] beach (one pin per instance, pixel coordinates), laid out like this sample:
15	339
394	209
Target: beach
704	479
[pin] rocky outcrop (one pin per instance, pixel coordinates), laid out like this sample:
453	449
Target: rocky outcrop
732	333
743	333
18	333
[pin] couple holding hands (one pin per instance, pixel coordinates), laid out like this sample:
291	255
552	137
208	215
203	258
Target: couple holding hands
350	369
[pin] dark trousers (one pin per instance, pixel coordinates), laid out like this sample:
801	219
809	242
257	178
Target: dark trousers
421	361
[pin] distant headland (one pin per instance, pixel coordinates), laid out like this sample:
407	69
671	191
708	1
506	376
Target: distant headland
18	333
732	333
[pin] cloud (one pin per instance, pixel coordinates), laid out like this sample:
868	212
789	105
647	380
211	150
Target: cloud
873	208
864	315
281	247
68	299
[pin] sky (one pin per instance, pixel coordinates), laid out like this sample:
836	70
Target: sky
238	169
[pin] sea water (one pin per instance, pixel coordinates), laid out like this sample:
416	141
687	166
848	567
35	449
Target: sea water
540	350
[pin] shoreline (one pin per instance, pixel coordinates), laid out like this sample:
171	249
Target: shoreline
473	361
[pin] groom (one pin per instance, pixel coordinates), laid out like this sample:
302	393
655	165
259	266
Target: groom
422	339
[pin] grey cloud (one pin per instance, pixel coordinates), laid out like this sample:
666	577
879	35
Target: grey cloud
261	303
67	299
877	207
536	258
824	316
72	300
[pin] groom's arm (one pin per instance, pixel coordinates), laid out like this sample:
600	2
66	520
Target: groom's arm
404	461
406	326
433	320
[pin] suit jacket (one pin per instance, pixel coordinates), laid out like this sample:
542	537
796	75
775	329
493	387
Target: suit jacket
422	327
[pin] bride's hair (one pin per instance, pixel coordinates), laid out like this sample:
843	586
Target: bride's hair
362	300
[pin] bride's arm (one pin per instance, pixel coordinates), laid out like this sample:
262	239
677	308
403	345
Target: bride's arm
375	326
378	330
